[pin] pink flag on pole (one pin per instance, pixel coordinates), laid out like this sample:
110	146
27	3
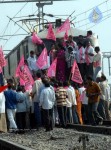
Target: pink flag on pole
52	69
19	67
42	60
50	34
66	35
65	26
2	59
76	76
36	39
24	74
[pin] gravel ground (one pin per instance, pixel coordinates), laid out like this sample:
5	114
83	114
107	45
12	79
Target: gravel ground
58	139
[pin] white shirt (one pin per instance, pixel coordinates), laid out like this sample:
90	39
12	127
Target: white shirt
98	59
74	102
32	63
82	92
71	100
2	102
36	89
80	55
47	98
90	50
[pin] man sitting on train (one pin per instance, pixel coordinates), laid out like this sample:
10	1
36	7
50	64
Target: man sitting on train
32	63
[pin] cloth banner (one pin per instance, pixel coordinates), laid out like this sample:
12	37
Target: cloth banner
2	59
42	60
76	76
96	15
36	39
24	74
50	34
65	26
52	69
66	35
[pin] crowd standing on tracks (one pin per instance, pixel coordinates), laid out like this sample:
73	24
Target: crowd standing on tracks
58	100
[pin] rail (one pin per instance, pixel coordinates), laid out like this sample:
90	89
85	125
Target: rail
6	145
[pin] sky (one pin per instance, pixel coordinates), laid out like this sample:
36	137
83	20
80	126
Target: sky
82	7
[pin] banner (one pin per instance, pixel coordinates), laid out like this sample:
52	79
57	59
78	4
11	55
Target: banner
65	26
66	35
2	59
50	34
76	76
42	60
52	69
36	39
96	15
24	74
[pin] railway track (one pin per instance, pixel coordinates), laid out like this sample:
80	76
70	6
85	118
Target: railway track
103	129
6	145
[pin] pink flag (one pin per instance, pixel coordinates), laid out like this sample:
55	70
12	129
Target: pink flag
76	76
52	69
50	34
19	67
42	60
66	36
65	26
2	59
24	74
36	39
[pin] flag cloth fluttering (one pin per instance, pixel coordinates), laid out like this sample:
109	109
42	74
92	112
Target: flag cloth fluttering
42	60
76	76
52	69
2	60
36	39
64	27
24	74
50	34
96	15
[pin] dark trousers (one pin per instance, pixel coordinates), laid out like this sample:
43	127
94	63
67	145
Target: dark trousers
101	109
48	119
89	70
21	120
94	116
62	115
85	113
75	116
37	113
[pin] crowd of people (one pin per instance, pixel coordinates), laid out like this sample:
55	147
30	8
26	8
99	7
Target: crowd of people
58	100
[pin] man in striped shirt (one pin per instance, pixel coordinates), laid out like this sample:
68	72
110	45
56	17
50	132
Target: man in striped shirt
61	97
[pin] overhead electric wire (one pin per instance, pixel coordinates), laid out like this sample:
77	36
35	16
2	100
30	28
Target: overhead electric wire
90	22
90	17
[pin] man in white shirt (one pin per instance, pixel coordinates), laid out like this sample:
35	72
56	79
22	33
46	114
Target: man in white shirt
80	57
35	97
97	62
47	101
89	55
32	63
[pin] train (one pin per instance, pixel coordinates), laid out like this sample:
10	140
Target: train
26	45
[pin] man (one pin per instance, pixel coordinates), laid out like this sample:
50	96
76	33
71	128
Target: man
89	54
32	63
35	94
93	92
89	38
97	62
61	98
69	57
103	104
47	100
11	103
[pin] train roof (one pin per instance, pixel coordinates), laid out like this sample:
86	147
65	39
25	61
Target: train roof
72	31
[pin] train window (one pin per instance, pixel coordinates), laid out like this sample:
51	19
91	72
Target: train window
26	52
9	65
18	55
